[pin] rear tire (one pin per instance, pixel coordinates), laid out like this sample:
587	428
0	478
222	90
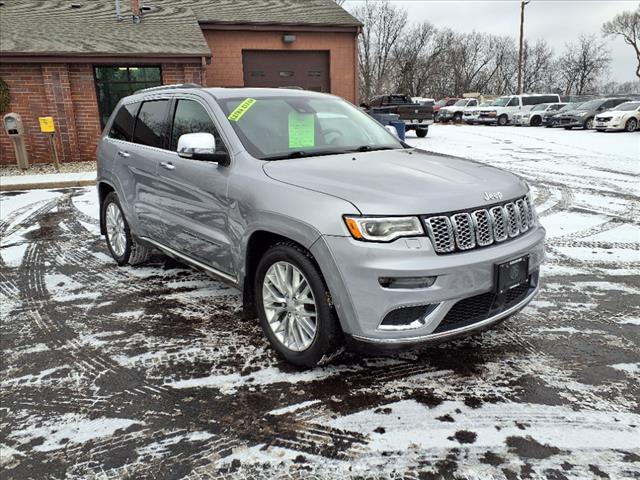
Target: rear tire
422	132
503	120
457	117
631	125
287	314
588	124
122	246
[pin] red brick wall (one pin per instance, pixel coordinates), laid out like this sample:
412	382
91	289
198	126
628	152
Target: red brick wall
85	105
182	73
226	47
29	100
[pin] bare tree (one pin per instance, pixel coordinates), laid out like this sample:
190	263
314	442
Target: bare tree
537	63
583	64
384	24
627	25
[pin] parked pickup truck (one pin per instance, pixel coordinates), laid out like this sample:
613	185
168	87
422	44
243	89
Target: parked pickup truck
416	116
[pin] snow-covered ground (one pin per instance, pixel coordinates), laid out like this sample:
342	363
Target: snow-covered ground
151	372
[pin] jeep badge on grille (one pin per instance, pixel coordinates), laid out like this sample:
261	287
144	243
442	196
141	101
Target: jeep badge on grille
492	196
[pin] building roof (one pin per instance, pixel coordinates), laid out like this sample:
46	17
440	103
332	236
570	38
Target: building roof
279	12
171	28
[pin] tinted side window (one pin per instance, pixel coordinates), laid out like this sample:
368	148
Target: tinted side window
472	103
513	102
191	117
122	126
151	125
534	100
550	99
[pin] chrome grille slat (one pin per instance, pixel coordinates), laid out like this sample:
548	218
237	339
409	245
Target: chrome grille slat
441	234
464	231
483	226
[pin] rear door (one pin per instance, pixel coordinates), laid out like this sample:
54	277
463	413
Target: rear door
276	68
138	131
195	206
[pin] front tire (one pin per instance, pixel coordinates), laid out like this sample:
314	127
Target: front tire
631	125
122	246
536	121
422	132
503	120
294	306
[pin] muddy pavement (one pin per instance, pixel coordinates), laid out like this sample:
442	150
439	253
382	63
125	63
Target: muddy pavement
151	372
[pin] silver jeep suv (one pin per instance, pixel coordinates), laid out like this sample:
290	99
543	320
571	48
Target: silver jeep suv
333	229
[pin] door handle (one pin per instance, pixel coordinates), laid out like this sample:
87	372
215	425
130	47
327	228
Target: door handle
124	154
167	165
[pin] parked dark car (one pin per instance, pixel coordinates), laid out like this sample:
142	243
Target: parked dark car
550	118
583	115
416	116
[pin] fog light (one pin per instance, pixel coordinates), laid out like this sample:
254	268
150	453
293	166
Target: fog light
406	282
406	318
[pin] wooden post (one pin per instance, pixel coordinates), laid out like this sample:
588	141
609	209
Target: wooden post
54	151
522	5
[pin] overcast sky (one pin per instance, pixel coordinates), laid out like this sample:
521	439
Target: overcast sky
557	21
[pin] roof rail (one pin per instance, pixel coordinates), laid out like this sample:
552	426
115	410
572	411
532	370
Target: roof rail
168	87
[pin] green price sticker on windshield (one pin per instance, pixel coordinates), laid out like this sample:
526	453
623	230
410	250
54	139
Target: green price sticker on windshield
241	109
302	130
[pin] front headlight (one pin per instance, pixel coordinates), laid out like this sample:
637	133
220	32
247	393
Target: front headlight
532	207
383	229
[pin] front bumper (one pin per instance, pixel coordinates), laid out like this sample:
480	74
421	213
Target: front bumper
487	119
570	122
352	270
610	125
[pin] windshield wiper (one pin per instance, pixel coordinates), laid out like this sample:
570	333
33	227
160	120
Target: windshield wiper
369	148
303	154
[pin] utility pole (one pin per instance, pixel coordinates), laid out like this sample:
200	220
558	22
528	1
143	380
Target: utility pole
522	5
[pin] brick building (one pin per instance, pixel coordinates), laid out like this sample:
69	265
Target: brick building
74	59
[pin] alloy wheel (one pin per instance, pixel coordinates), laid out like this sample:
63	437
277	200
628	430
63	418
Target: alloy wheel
631	125
589	124
116	229
290	306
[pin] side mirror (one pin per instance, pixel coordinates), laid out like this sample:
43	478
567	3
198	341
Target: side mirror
200	146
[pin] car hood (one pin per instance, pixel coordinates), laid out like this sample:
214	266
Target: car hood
399	182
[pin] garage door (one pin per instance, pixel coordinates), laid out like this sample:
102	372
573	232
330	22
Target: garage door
274	68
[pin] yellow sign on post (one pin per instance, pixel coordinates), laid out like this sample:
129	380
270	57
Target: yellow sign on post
47	125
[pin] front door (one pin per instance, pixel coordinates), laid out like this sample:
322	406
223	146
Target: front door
195	206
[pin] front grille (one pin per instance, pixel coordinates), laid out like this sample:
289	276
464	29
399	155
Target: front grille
476	309
464	231
603	119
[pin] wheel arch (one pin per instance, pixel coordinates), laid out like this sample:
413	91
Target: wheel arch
104	189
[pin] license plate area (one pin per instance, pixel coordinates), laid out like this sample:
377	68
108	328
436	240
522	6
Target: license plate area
511	274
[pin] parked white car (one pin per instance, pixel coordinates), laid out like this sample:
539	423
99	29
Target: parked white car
471	114
455	112
533	117
502	109
625	116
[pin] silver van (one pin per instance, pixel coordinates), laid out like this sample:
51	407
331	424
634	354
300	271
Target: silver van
335	231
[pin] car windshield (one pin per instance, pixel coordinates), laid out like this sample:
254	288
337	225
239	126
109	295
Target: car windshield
486	104
542	106
462	102
440	103
628	106
274	128
500	102
590	105
570	106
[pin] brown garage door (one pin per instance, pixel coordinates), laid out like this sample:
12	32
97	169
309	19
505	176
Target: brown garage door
276	68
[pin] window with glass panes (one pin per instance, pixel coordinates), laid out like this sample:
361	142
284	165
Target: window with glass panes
113	83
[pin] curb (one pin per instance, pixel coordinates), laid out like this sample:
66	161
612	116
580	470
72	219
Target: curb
46	185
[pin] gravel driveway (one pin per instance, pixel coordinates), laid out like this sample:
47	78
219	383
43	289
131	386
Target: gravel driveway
151	372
